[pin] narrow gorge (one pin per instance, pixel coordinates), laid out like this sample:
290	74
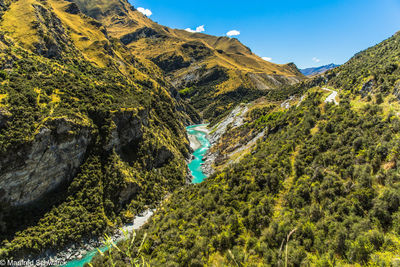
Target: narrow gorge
181	148
78	255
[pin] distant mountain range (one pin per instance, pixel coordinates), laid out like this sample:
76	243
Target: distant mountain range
318	70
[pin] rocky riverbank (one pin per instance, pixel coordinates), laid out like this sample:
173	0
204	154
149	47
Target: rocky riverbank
79	251
234	119
194	143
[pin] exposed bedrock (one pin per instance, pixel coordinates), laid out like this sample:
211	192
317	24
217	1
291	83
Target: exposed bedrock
41	165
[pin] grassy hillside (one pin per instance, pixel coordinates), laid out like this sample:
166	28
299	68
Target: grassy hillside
212	73
64	82
321	188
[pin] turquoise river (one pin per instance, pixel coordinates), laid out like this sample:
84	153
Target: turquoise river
194	167
195	164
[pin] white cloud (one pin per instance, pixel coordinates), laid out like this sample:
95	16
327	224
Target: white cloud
145	11
316	60
233	33
198	29
267	58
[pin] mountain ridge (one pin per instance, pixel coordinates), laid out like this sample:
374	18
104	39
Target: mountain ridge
318	70
325	174
68	81
213	71
90	135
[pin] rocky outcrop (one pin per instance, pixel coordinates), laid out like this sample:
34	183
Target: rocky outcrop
367	87
233	120
396	90
170	62
52	32
263	81
40	166
127	193
162	156
58	149
128	130
144	32
196	50
200	76
127	135
72	9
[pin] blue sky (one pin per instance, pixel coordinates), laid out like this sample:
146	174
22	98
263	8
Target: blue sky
308	33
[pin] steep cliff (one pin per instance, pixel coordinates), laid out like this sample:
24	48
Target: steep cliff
40	166
90	134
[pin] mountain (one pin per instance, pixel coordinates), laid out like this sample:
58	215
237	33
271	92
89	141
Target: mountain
213	73
318	70
94	98
313	183
90	134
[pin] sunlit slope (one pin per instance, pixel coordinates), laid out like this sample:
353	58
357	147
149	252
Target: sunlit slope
80	115
158	40
320	187
374	70
213	73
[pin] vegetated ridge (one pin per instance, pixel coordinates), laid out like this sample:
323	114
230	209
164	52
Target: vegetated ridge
92	124
213	73
320	188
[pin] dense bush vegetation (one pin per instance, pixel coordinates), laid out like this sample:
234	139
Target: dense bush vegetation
35	91
326	176
374	70
325	172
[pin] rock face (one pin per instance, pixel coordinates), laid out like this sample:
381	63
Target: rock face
128	134
233	120
57	151
263	81
200	76
53	157
170	62
367	87
72	9
127	131
54	36
163	156
144	32
396	90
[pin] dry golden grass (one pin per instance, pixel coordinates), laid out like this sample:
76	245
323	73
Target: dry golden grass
18	22
389	105
85	36
2	99
235	55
